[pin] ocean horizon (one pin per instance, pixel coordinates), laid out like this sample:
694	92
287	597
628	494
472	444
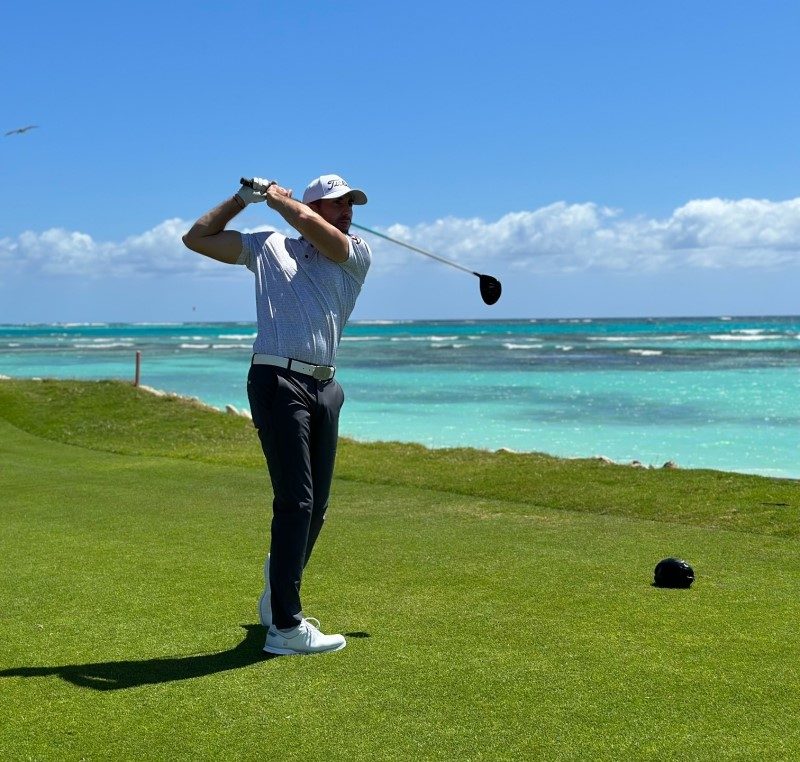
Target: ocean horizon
703	392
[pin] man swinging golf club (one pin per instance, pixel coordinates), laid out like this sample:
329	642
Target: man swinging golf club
306	288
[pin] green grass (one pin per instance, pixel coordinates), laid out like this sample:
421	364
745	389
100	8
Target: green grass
499	606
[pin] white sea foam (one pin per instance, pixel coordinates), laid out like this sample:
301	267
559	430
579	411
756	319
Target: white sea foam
194	346
645	352
509	345
612	339
362	338
104	345
381	322
240	336
424	338
730	337
231	346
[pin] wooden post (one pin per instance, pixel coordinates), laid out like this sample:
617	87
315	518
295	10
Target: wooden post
138	368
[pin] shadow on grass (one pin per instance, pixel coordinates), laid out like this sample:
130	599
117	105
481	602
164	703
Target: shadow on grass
118	675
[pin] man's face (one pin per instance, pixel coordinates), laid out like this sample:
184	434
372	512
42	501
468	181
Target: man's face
337	211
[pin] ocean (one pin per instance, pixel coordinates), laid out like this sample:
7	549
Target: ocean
721	393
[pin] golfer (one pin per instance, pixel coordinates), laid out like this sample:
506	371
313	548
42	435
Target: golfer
306	288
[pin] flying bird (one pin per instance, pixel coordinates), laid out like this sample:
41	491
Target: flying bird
20	130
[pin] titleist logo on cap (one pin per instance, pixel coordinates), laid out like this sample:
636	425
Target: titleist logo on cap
331	187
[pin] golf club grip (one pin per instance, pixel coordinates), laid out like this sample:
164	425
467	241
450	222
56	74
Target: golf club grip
252	184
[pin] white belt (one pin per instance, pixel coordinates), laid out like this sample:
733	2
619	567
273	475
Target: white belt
319	372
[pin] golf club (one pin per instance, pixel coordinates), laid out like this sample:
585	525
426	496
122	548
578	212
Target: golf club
489	286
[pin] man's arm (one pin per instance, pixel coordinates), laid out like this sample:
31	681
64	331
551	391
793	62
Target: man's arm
327	239
208	235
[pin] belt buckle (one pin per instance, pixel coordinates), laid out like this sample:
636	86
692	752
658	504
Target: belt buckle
321	373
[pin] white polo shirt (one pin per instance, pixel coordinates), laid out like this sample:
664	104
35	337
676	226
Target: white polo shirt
303	299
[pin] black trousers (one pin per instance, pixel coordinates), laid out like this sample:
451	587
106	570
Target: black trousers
297	419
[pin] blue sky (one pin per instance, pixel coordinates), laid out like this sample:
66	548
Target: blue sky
600	158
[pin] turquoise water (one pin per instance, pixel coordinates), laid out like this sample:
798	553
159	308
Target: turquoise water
718	393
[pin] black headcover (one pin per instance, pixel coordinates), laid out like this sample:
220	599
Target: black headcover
490	288
673	572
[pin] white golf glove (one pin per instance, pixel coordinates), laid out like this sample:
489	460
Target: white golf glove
254	195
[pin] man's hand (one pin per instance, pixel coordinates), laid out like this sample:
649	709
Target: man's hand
274	194
255	194
328	240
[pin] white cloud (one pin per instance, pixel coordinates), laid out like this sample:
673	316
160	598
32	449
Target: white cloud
559	238
64	252
56	252
709	233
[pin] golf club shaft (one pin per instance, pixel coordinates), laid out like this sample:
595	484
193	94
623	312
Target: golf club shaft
250	184
414	248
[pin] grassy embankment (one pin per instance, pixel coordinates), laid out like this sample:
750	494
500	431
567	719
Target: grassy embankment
498	605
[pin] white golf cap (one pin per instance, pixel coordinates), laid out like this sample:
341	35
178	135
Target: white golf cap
332	186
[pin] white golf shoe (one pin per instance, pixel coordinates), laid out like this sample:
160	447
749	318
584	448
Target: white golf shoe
265	601
303	639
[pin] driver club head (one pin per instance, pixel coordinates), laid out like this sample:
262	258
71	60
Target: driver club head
490	288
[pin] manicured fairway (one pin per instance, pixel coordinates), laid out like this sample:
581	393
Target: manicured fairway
497	606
